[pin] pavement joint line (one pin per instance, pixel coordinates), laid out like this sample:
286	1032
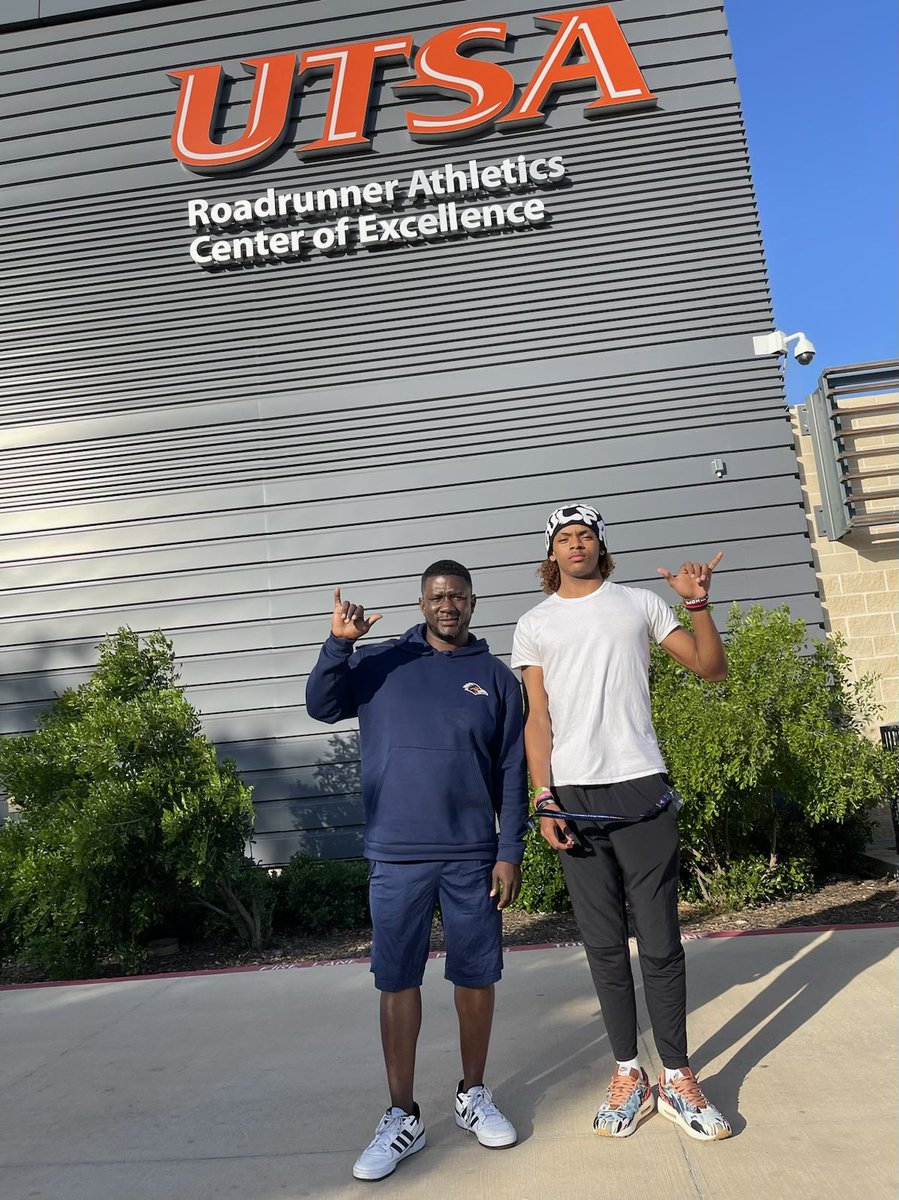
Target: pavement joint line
269	968
688	1162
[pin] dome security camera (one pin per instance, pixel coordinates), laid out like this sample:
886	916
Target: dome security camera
803	351
778	343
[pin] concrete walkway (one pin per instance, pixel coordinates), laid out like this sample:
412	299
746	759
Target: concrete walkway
267	1084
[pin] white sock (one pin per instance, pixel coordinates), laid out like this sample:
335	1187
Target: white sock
632	1064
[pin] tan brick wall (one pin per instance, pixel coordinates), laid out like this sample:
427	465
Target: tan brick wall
859	575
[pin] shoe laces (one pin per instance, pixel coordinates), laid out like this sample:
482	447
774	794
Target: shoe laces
620	1090
390	1126
481	1098
688	1087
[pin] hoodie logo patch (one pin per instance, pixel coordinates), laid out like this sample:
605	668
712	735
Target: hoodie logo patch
474	689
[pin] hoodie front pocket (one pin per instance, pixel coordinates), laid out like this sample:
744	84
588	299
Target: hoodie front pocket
432	798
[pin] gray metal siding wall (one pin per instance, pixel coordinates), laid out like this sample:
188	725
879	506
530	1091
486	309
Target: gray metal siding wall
211	453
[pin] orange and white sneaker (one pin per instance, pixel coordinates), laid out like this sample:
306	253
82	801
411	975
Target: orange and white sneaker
681	1100
628	1100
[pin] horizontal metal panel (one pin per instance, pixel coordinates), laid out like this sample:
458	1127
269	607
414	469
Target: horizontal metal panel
631	307
327	491
678	252
18	11
214	504
679	249
616	329
654	483
318	782
699	293
74	474
301	755
622	218
233	16
102	435
627	209
161	178
367	540
505	593
128	50
678	257
276	849
248	663
276	679
152	112
54	10
150	103
354	19
231	581
643	341
590	375
620	142
97	145
285	815
225	728
144	93
310	481
118	175
710	86
210	454
727	497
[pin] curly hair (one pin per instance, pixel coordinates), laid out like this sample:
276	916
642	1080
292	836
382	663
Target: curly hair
551	578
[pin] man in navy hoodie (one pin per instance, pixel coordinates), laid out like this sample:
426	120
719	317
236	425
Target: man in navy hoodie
440	725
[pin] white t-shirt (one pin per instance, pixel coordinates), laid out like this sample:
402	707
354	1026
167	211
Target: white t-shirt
594	651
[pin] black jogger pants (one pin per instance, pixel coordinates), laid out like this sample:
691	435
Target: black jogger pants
639	862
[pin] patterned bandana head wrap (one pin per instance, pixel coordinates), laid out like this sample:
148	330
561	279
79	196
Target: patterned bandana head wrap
573	514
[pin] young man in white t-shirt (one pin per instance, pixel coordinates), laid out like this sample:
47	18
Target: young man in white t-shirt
591	749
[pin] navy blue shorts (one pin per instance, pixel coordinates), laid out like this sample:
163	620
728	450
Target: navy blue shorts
402	896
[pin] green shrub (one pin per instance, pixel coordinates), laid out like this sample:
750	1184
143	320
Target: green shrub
542	883
747	882
323	896
126	816
771	762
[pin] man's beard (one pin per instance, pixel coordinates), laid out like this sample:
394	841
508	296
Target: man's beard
459	638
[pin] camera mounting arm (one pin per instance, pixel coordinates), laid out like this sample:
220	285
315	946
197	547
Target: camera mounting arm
778	343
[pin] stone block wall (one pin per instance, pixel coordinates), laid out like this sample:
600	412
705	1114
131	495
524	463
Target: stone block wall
859	574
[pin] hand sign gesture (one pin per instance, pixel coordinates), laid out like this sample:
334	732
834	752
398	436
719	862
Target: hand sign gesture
349	620
693	580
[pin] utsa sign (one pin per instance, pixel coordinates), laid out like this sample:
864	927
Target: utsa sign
443	67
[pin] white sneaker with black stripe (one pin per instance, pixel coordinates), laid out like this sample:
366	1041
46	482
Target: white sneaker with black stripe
398	1135
476	1112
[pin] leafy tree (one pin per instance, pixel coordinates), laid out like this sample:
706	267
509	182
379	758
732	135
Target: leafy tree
126	814
772	761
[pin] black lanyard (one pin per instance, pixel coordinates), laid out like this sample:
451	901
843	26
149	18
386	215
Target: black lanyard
666	798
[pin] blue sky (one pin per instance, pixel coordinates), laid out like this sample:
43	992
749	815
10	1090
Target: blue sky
818	82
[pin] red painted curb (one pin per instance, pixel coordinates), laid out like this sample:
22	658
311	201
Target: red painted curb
256	968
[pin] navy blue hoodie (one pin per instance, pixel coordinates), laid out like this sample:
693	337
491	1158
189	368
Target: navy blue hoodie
441	745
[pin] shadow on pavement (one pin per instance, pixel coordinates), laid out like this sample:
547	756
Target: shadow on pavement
814	976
